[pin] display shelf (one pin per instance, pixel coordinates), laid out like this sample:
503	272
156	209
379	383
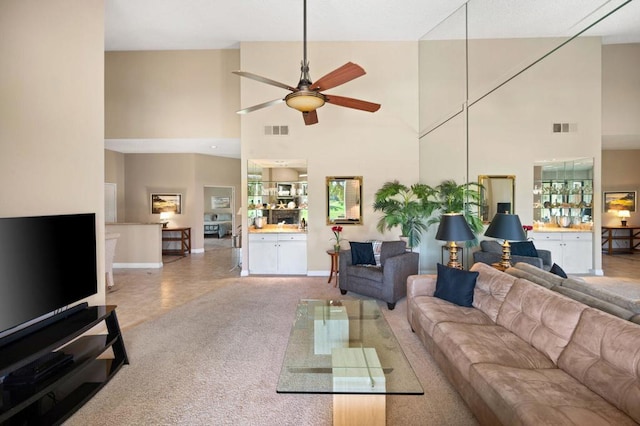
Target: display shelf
271	199
563	189
54	399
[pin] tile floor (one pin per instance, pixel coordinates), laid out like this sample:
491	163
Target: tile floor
143	294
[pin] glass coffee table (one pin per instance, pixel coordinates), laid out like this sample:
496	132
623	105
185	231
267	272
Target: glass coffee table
346	348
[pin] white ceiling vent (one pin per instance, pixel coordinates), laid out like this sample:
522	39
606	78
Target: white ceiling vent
276	130
565	127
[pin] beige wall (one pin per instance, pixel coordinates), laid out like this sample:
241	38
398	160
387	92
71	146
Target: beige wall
380	147
114	173
52	111
510	129
620	172
186	174
621	91
172	94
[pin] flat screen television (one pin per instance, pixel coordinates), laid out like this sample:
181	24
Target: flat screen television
46	264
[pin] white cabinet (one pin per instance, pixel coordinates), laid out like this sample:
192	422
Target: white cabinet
572	251
263	253
284	254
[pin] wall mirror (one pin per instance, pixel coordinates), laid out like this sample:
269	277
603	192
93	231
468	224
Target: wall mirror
497	195
344	200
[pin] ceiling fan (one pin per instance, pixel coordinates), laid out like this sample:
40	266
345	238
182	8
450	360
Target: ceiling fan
306	97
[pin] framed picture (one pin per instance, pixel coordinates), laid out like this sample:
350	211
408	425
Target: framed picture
220	202
620	200
161	203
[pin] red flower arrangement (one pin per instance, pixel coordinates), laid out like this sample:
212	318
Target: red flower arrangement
526	229
336	231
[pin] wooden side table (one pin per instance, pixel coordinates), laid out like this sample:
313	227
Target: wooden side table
335	261
168	235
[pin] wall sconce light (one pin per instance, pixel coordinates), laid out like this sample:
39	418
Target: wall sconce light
623	215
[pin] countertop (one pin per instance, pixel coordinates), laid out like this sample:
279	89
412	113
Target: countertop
277	229
579	228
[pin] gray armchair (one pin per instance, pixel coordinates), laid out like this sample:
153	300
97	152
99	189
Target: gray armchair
491	252
387	282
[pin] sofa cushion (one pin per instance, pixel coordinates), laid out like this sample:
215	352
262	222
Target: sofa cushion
594	302
552	279
524	248
534	278
539	316
368	272
557	270
455	285
604	354
468	344
377	245
601	293
492	287
362	253
433	311
390	249
541	397
490	246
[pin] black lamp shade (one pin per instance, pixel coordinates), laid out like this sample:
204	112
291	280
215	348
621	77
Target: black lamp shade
506	227
454	227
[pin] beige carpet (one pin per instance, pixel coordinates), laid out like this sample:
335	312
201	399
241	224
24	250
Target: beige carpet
216	360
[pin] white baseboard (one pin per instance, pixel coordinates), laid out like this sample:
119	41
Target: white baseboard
318	273
200	250
136	265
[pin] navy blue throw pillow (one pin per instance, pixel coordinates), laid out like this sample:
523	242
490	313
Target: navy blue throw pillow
455	285
555	269
524	248
362	253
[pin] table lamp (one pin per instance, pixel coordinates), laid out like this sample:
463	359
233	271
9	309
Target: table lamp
623	215
164	218
453	227
507	227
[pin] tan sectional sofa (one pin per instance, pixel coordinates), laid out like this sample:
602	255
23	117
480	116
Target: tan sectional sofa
525	355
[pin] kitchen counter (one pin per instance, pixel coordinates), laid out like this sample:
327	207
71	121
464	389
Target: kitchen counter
277	229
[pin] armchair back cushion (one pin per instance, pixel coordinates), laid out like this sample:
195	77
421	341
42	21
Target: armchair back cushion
391	248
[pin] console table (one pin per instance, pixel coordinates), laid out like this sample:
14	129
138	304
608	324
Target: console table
183	237
628	234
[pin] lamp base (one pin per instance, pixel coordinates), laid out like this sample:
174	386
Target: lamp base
624	222
505	261
453	256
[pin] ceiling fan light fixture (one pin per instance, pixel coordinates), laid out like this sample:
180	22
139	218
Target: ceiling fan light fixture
305	100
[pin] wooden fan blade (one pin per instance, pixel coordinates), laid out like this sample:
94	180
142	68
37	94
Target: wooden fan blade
339	76
266	80
352	103
310	117
260	106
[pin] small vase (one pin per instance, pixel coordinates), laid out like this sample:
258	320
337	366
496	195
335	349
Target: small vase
336	247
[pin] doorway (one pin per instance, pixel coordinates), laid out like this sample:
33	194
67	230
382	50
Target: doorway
219	216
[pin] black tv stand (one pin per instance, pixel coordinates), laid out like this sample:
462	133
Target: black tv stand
56	397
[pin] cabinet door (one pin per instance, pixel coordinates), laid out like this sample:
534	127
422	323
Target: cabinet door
292	254
577	253
263	254
549	241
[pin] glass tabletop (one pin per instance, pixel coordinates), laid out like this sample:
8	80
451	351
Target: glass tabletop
344	347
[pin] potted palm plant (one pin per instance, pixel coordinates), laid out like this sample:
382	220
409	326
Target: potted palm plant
407	207
449	197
